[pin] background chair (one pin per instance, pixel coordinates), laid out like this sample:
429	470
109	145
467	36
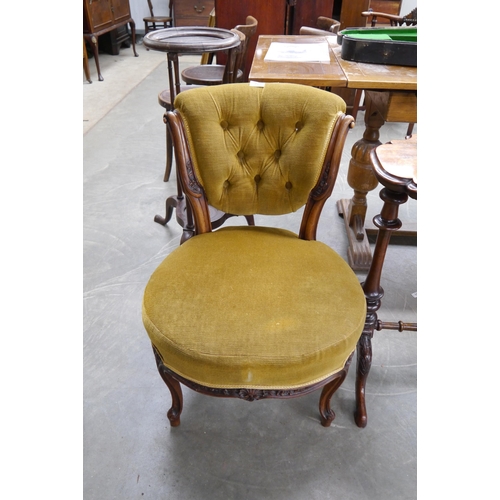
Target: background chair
212	74
206	57
255	312
164	100
329	27
408	20
153	23
325	27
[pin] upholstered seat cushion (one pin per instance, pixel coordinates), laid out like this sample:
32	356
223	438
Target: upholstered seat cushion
254	307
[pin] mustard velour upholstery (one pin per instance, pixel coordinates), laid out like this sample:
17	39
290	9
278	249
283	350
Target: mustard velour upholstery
254	307
268	156
286	315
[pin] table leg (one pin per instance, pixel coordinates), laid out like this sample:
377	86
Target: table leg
387	222
183	213
361	179
172	60
132	29
381	106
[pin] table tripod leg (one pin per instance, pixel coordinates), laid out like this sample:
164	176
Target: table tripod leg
363	365
170	204
387	222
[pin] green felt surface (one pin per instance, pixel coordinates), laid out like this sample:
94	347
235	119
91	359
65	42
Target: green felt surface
383	34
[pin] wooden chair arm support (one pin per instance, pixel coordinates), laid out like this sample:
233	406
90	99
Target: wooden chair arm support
190	185
392	17
328	24
324	186
306	30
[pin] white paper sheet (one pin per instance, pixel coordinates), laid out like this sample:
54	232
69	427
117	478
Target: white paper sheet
299	52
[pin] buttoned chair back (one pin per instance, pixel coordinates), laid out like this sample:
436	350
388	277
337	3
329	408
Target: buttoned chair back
268	156
260	311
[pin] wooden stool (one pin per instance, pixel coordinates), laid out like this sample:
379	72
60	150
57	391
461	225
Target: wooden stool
395	167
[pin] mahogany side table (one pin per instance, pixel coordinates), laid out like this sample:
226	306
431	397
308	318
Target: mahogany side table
395	167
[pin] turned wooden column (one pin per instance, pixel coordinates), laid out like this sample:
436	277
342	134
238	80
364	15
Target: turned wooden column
394	166
381	106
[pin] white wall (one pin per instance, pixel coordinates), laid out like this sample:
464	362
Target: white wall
406	6
139	9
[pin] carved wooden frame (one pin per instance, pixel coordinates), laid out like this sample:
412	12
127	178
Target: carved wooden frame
195	196
173	382
195	193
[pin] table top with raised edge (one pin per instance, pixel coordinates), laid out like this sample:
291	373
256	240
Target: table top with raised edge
191	39
395	164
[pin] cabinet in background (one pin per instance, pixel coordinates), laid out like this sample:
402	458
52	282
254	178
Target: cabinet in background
192	12
275	17
306	13
102	16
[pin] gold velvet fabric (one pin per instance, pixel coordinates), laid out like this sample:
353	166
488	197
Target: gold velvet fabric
268	156
254	307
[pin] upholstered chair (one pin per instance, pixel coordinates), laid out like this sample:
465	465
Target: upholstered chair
260	311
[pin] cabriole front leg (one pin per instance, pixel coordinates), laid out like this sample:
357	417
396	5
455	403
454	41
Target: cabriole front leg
326	413
363	365
174	414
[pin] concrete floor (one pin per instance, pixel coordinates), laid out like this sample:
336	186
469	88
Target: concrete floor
224	449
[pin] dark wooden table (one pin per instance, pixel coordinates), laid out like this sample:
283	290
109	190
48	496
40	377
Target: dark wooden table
395	167
390	96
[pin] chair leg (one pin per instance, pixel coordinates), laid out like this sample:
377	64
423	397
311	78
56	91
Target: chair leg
250	220
86	63
146	30
327	414
174	414
409	131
